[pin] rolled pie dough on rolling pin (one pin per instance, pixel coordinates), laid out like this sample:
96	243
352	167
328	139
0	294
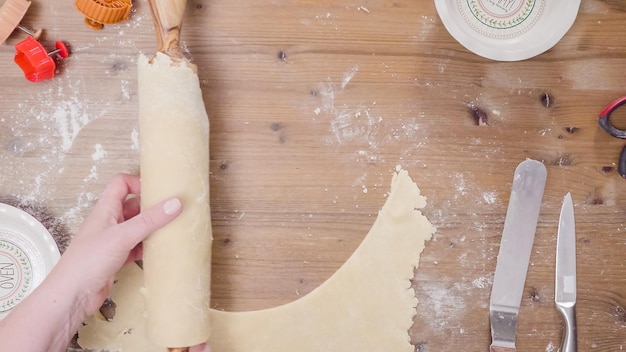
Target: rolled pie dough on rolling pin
174	157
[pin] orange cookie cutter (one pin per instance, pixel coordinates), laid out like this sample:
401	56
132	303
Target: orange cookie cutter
11	14
100	12
33	59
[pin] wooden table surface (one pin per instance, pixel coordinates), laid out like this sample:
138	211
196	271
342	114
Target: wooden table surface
313	104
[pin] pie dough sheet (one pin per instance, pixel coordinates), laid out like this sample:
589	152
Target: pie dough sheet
174	158
367	305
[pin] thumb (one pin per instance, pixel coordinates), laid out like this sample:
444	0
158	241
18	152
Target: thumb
137	228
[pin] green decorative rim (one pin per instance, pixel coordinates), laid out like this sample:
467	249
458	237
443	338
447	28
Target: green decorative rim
542	28
501	23
484	16
25	267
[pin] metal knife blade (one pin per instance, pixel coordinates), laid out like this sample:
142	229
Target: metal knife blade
565	278
515	249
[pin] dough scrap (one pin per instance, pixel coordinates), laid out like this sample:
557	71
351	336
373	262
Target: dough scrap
367	305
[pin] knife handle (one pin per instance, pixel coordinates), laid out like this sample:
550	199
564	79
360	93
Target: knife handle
569	343
501	349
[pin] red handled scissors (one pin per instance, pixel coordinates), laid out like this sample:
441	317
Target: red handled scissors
604	121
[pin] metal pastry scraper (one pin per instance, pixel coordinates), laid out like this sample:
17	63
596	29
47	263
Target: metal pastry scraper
515	248
565	278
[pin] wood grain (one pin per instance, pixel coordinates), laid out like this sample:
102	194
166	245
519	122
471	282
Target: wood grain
312	106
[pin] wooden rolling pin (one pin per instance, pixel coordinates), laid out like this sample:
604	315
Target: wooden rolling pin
174	158
168	21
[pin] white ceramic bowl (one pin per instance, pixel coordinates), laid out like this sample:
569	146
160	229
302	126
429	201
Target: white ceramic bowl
27	254
507	30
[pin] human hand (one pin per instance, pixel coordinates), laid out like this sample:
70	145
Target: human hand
78	285
110	237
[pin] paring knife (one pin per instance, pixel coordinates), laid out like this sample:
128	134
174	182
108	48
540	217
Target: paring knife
515	248
565	279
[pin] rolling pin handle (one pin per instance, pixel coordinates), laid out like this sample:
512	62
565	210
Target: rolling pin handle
168	20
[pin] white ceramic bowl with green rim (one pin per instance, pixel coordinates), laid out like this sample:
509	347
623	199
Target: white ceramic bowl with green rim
27	254
507	30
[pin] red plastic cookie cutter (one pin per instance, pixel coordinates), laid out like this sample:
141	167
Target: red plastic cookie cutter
36	63
11	14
